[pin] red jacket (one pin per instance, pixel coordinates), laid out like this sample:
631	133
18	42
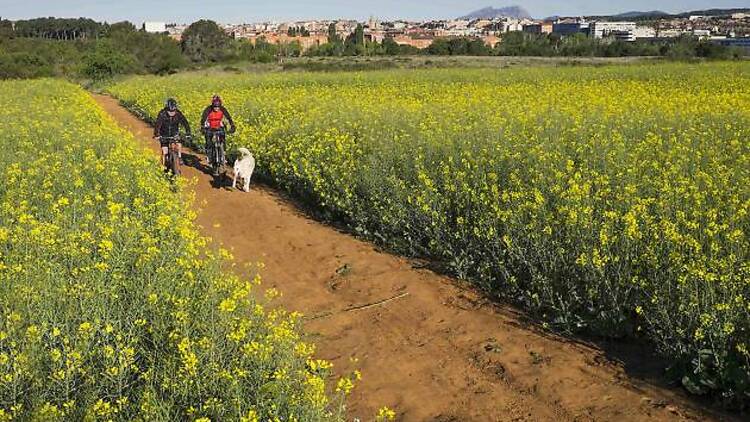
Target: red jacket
225	113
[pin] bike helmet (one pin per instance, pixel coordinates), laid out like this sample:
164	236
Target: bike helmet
216	101
171	104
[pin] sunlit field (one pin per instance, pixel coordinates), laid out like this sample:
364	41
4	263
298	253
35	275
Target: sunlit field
611	199
112	306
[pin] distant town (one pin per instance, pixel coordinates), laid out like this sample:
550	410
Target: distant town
729	29
83	47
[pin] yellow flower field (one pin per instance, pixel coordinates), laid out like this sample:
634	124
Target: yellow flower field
112	306
609	199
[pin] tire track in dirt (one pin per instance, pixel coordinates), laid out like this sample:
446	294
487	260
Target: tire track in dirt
435	350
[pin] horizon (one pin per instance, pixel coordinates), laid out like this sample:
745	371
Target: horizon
230	11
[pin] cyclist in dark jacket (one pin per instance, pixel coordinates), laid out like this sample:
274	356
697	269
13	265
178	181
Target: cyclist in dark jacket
167	125
212	122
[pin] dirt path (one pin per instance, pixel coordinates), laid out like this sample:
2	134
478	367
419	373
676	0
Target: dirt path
436	351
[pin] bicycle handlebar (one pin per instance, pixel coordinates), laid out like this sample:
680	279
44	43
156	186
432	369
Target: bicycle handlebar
173	138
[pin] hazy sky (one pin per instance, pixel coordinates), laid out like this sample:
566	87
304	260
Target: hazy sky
237	11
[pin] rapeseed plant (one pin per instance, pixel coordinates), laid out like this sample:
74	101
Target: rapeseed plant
610	199
112	307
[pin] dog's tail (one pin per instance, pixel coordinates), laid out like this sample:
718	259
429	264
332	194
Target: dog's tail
243	151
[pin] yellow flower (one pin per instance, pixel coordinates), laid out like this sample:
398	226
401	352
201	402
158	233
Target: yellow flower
227	305
272	294
344	385
385	414
251	416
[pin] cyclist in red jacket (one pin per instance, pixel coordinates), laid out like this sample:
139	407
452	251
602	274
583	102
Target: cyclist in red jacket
213	122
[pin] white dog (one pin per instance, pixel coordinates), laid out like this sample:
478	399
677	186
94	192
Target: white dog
243	168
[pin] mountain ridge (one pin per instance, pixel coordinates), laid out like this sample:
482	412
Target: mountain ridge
517	12
639	14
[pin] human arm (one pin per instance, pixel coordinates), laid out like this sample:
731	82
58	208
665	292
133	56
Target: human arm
185	124
232	127
159	122
204	117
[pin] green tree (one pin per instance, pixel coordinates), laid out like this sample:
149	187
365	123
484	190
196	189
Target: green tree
106	60
458	47
711	50
23	65
335	46
681	49
391	47
355	42
477	47
374	49
58	58
260	52
153	53
121	27
439	47
6	28
579	45
359	35
519	43
59	29
324	50
333	36
204	41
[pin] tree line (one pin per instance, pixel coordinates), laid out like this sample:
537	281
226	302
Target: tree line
83	48
581	45
58	29
528	44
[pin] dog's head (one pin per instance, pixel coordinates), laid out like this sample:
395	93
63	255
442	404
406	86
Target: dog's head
244	152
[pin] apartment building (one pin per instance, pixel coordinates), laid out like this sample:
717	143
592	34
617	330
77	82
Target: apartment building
624	31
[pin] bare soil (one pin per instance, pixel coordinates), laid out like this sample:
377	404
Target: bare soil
428	346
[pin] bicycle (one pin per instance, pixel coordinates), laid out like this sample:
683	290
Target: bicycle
216	151
172	159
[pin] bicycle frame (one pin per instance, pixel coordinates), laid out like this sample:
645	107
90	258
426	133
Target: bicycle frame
218	138
172	160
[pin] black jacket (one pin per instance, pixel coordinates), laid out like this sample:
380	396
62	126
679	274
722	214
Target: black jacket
208	109
168	126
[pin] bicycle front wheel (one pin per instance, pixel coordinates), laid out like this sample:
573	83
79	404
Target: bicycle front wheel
174	162
216	164
221	155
